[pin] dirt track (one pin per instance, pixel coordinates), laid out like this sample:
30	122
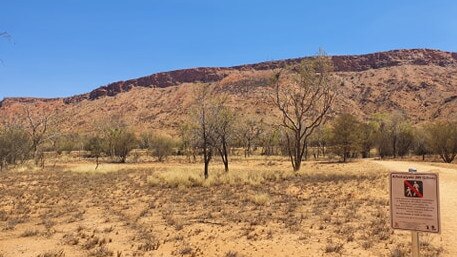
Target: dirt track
448	195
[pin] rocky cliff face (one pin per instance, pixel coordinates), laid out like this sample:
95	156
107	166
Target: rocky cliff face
347	63
421	83
341	64
164	79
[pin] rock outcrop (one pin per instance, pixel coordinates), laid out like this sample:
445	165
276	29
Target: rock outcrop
163	79
344	63
420	83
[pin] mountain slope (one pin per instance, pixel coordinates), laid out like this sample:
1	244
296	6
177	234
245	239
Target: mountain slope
422	83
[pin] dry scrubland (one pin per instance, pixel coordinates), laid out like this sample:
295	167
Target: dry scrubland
167	209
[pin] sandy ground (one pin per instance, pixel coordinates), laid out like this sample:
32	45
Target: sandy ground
448	195
328	209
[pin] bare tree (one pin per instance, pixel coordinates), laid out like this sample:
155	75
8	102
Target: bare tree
39	129
304	98
201	125
221	121
212	126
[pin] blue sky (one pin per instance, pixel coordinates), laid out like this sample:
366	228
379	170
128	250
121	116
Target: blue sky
64	47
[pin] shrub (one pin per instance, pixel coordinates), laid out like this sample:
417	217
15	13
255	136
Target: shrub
161	146
14	145
344	136
119	142
95	146
442	139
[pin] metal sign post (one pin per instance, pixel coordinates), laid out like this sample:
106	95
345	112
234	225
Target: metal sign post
415	245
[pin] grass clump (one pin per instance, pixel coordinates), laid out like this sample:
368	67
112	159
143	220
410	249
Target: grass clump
193	177
232	254
176	178
30	233
101	251
260	198
57	253
333	247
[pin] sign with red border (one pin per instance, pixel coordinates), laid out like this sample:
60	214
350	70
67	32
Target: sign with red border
415	202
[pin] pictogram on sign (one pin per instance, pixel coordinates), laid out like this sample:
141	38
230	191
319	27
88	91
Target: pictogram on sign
414	188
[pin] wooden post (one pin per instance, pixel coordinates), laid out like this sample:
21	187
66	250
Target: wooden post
415	246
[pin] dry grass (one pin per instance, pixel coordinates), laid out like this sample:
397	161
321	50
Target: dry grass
260	198
55	253
251	171
169	209
30	233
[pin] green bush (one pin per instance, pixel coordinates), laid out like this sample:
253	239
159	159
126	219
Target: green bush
15	146
162	146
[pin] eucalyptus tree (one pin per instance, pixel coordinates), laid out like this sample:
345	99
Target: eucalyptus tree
304	96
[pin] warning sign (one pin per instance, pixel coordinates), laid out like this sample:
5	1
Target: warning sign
414	188
414	201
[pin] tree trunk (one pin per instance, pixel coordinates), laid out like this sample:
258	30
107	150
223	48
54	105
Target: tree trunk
226	167
448	158
207	154
298	152
224	156
206	170
306	152
394	145
226	163
96	161
297	164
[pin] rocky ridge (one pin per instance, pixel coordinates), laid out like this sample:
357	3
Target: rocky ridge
343	63
420	83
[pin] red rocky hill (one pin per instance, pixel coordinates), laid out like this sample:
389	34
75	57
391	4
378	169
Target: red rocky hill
421	83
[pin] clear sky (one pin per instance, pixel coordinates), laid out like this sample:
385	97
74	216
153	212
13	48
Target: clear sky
67	47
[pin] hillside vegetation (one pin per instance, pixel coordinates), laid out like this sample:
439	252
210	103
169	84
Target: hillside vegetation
420	83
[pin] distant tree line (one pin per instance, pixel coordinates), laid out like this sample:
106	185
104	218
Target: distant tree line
223	132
